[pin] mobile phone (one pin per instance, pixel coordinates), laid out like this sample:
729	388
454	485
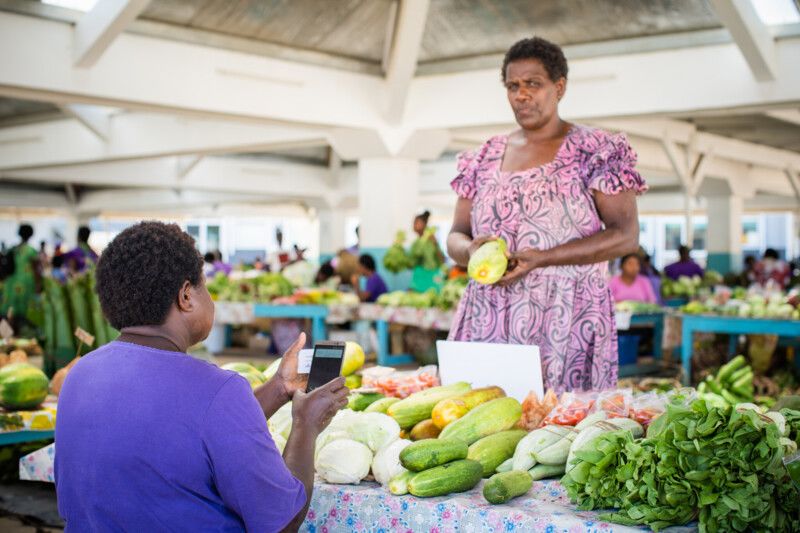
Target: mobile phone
326	364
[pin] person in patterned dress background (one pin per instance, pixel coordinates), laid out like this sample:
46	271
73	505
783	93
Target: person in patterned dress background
563	196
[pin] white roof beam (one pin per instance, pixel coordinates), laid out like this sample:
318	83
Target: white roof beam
403	56
616	86
790	116
218	174
98	28
93	119
751	35
154	74
142	135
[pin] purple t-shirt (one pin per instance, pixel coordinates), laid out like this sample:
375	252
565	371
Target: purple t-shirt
689	268
375	287
151	440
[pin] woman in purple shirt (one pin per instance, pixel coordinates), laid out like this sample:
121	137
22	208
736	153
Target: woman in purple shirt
152	439
374	286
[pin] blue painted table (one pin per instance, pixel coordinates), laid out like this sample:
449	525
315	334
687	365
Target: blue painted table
316	313
733	326
656	320
19	437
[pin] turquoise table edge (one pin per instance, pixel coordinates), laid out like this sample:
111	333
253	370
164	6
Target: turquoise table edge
20	437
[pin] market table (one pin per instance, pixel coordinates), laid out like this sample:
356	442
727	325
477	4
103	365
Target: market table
656	320
435	319
23	436
369	507
733	326
34	425
316	313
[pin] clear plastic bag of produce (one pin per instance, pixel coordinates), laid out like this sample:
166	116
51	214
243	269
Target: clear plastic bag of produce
535	410
572	407
646	407
399	384
615	403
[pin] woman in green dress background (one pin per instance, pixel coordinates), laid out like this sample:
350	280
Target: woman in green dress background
427	256
19	288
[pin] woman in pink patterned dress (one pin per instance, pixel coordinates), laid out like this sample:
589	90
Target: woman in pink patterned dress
563	196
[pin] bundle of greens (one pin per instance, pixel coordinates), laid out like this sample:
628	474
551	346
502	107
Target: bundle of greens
424	251
451	293
396	260
718	465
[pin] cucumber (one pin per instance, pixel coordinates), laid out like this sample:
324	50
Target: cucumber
458	476
359	402
380	406
428	453
727	370
544	471
398	485
486	419
495	449
507	485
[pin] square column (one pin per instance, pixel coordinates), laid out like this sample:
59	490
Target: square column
724	233
388	194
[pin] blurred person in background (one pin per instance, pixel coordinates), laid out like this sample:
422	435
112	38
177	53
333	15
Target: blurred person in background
326	277
374	285
279	258
684	266
82	256
423	278
23	279
772	269
650	272
630	285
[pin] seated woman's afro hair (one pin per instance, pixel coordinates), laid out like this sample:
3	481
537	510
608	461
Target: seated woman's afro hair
141	272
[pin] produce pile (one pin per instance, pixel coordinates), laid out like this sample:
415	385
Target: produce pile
747	304
689	287
423	252
721	466
67	307
447	298
259	289
318	297
637	308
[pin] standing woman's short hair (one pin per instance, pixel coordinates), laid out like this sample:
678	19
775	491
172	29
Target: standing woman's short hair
141	272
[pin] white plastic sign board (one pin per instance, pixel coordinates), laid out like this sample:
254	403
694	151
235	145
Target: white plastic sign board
516	368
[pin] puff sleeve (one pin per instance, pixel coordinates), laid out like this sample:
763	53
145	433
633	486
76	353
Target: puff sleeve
465	184
611	168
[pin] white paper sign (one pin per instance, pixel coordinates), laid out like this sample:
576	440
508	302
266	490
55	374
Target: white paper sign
304	361
515	368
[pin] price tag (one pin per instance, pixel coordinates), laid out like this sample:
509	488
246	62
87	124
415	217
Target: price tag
84	336
6	331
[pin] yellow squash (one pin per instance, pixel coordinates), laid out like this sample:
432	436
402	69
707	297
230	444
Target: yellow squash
451	409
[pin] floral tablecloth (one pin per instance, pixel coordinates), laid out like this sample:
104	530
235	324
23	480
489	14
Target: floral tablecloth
369	507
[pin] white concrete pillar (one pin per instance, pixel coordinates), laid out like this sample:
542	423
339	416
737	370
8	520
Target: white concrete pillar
724	233
388	194
331	230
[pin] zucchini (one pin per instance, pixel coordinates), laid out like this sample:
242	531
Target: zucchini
507	485
728	369
428	453
544	471
398	485
458	476
425	430
417	407
359	402
380	406
488	418
536	440
495	449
